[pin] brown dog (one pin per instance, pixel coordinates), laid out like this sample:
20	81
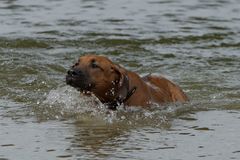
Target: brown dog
113	85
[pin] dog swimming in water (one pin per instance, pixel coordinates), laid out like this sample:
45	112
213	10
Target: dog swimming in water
114	85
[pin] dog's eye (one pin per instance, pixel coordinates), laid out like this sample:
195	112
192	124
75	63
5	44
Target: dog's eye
94	64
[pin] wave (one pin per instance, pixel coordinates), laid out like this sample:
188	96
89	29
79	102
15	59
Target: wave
66	103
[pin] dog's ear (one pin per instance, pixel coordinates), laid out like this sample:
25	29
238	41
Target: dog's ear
121	82
120	75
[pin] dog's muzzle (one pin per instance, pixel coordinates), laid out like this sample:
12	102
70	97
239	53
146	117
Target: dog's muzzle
77	79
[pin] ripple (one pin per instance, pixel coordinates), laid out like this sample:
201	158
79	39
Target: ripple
22	43
7	145
223	45
194	39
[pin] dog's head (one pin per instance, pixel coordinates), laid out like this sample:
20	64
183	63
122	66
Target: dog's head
97	75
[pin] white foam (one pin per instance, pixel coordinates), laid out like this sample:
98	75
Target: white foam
67	103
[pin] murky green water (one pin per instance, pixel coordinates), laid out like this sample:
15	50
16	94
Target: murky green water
195	43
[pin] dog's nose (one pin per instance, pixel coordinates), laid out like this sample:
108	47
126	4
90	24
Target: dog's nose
74	72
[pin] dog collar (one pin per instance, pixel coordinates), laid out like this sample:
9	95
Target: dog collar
119	100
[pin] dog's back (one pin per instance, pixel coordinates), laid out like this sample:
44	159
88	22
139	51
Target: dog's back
163	90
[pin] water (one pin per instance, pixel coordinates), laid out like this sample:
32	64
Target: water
195	43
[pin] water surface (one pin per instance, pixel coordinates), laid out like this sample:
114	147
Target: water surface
195	43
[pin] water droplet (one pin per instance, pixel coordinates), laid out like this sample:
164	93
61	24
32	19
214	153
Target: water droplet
123	117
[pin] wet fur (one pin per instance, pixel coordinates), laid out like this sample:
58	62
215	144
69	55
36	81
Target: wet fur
108	83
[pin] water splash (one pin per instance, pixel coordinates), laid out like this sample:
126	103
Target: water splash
66	103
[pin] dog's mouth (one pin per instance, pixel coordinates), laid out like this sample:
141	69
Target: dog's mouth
80	82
